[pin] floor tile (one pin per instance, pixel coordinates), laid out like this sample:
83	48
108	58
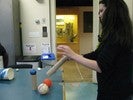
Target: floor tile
80	91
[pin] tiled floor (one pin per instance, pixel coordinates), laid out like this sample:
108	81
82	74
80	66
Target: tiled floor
78	82
80	91
74	72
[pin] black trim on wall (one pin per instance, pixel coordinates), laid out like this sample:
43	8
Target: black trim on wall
65	3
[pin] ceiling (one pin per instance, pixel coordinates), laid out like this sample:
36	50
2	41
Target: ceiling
65	3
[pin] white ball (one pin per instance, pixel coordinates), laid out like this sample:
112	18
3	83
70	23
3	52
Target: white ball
43	88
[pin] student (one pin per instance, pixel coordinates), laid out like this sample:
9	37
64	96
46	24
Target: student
112	59
4	54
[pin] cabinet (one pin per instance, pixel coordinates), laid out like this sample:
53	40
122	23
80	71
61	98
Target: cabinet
9	28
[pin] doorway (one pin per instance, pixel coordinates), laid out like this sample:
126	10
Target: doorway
64	24
67	28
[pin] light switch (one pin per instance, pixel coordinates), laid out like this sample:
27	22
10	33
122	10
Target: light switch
44	31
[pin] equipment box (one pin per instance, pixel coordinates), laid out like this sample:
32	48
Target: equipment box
48	59
32	60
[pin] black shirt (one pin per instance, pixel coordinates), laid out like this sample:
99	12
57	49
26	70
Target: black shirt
115	63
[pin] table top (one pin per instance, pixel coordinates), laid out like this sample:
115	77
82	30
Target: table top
20	88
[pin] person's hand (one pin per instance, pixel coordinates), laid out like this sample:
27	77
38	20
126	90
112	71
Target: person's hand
66	50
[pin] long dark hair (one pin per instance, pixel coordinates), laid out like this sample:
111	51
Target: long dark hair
116	22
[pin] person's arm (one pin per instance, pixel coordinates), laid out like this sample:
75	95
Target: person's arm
92	64
67	51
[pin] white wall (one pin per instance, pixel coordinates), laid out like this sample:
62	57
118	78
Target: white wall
85	38
85	43
53	25
130	6
95	30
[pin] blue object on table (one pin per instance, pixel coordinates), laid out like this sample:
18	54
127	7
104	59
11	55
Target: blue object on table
33	72
48	56
47	59
21	87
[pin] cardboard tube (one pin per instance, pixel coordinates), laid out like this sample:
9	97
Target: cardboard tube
56	66
33	79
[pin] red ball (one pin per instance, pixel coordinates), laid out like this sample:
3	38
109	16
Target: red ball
48	82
